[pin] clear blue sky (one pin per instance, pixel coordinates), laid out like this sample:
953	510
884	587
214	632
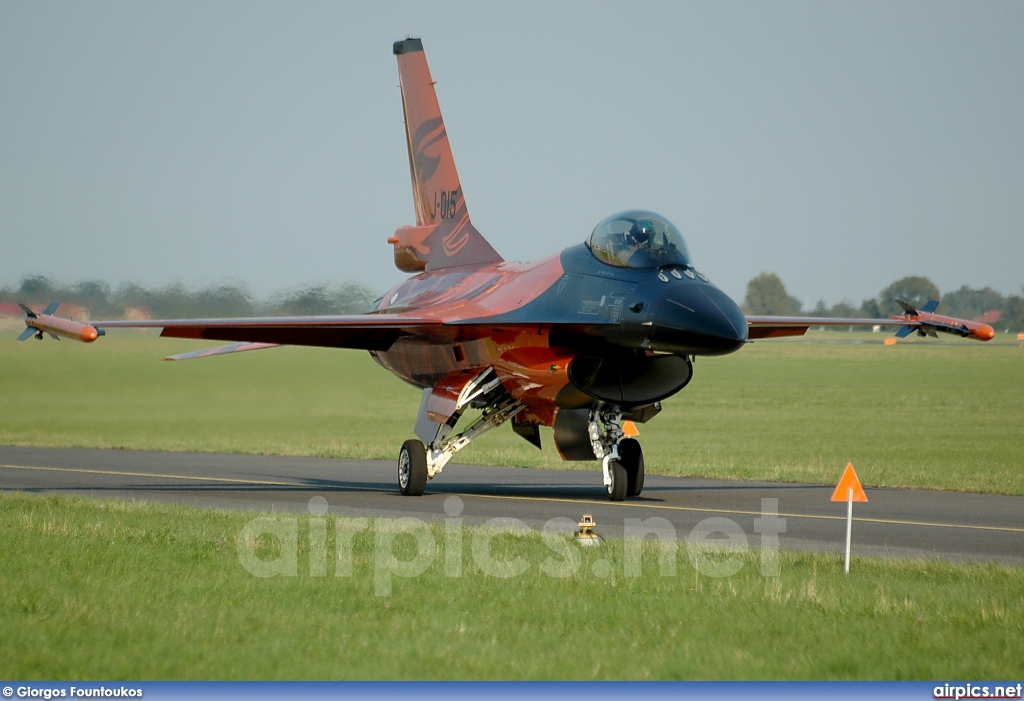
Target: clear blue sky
839	145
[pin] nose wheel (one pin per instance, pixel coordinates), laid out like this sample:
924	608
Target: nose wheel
622	459
626	474
631	457
619	481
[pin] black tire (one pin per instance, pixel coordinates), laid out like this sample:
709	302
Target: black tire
412	469
631	455
617	489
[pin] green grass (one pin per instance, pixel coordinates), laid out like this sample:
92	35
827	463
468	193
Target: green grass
934	414
165	588
123	590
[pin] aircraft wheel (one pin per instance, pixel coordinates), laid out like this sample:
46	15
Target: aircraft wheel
412	469
617	489
631	455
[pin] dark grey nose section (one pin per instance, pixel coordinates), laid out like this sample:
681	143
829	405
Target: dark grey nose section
696	319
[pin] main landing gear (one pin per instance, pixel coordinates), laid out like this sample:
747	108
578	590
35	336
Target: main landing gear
420	460
622	459
412	469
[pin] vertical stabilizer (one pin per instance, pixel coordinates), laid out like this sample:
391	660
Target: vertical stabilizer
444	236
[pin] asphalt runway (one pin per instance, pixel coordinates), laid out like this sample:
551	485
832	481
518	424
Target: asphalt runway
893	523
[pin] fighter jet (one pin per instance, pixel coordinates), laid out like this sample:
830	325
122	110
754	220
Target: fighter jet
588	341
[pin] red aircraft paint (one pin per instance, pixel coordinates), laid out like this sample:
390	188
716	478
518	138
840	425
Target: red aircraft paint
584	341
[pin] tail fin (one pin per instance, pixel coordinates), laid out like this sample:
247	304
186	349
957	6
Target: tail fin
443	237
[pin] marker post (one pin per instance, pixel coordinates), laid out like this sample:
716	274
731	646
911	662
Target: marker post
849	527
849	490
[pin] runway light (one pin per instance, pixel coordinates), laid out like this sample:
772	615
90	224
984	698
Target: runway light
585	535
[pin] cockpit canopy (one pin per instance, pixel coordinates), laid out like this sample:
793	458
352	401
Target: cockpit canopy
638	239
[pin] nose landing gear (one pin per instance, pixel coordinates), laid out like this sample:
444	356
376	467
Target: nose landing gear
631	456
622	459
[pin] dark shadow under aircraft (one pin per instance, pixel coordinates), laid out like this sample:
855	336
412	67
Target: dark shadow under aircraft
586	341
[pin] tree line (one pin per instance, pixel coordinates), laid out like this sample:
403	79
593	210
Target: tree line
99	301
766	295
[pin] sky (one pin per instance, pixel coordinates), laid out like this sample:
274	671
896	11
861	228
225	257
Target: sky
840	145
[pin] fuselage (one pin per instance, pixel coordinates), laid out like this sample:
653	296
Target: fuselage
530	321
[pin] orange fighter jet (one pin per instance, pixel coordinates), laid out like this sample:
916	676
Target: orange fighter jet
583	341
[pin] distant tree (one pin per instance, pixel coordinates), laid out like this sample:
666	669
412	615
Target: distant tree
41	289
967	303
844	310
232	299
132	295
766	295
869	308
94	295
1013	313
176	301
354	298
915	290
350	298
314	300
36	286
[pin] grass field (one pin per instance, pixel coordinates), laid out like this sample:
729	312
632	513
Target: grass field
118	590
122	590
934	414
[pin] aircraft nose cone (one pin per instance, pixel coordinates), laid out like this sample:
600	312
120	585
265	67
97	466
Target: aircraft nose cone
696	319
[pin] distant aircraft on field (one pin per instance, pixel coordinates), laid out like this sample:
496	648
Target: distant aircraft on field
587	341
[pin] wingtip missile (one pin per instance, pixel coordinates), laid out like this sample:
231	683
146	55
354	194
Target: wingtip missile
927	324
58	327
983	332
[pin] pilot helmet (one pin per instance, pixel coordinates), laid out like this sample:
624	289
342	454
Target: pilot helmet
641	231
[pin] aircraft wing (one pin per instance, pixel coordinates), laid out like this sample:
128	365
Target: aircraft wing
759	327
924	323
359	331
373	331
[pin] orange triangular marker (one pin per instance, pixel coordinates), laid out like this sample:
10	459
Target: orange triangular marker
629	429
849	481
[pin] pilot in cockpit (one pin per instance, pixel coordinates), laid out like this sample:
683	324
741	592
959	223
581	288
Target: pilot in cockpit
638	236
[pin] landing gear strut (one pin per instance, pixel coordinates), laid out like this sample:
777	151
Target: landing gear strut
622	459
418	462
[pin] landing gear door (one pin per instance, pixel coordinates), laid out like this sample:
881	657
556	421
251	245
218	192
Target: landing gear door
426	429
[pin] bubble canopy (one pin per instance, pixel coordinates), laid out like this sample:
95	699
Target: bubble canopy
638	239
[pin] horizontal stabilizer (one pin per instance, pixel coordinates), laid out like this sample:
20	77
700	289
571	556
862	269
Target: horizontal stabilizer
222	350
